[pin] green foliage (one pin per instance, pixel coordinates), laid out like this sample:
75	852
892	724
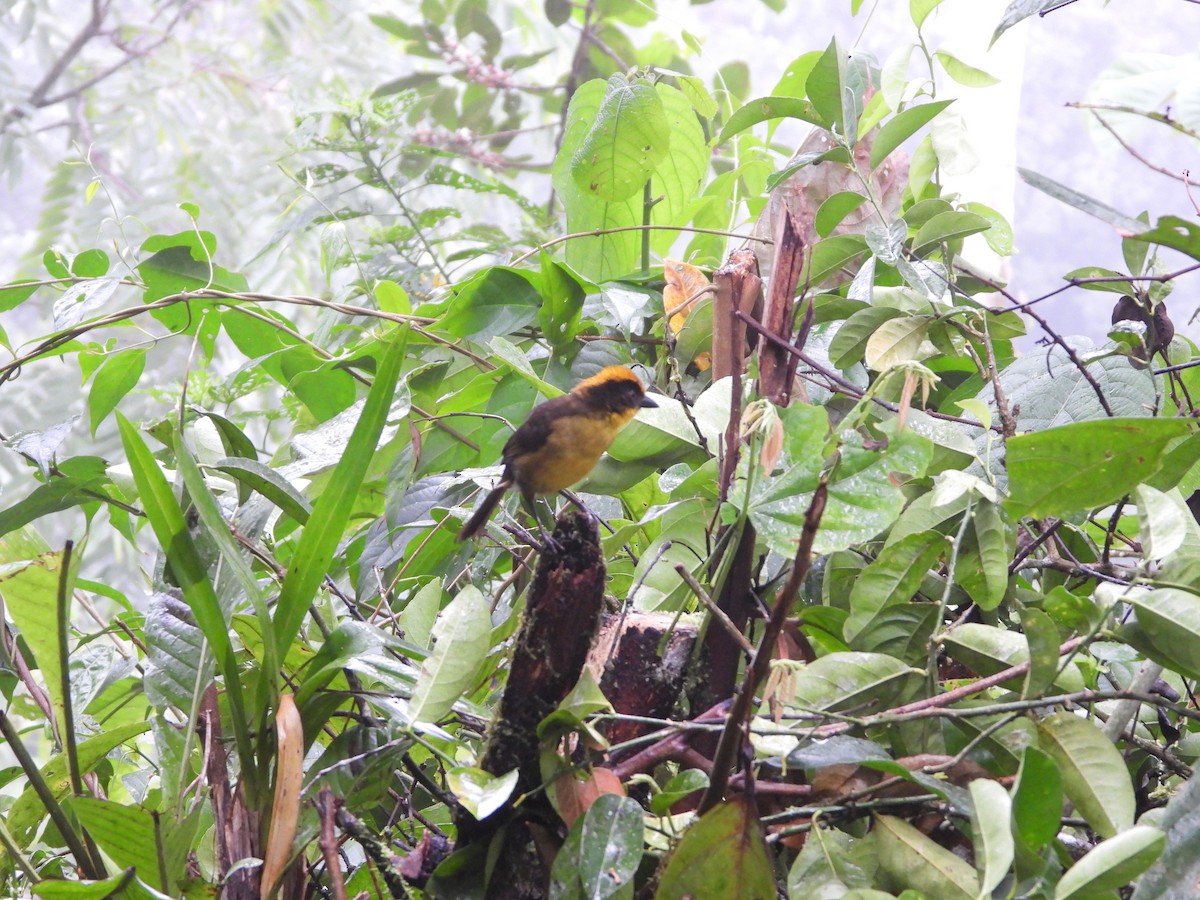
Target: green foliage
970	688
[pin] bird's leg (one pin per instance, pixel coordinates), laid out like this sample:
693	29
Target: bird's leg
532	507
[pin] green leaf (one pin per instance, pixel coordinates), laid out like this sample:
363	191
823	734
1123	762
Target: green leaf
848	680
1168	620
167	520
30	592
1177	871
967	76
610	846
1019	10
986	649
765	108
116	378
835	209
994	542
994	847
892	578
850	342
625	142
1085	465
331	512
462	638
1163	521
826	85
1174	232
896	341
268	482
1094	774
1111	864
55	496
13	295
27	810
901	127
920	10
909	860
830	255
722	856
480	792
497	300
1037	799
999	236
125	833
1043	639
831	863
1125	225
949	226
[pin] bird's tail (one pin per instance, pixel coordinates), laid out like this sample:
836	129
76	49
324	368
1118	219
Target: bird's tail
481	515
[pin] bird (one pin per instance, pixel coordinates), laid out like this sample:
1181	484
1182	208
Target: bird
562	440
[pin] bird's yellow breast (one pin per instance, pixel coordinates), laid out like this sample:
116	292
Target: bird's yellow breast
571	450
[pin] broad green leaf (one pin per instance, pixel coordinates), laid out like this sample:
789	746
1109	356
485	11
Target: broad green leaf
462	638
850	342
986	649
166	518
967	76
680	785
990	825
1162	521
1019	10
1085	465
1111	864
994	542
999	236
331	512
498	300
1043	639
722	856
13	295
1169	622
830	255
123	884
116	378
27	810
1037	799
268	482
179	662
863	499
1174	232
1177	871
892	578
125	833
901	127
765	108
1126	226
896	341
848	681
420	613
825	87
949	226
480	792
625	142
910	860
675	182
831	863
920	10
610	846
30	593
835	209
1094	774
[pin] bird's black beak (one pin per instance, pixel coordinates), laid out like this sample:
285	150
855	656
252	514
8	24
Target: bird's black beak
648	403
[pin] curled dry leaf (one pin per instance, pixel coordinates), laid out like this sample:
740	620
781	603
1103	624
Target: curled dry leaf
285	810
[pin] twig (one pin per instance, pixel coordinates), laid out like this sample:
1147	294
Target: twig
327	807
756	672
1134	153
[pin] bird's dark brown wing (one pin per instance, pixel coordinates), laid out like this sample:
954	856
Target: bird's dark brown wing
533	434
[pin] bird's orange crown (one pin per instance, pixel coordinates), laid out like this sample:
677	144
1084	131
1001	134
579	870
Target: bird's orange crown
607	375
